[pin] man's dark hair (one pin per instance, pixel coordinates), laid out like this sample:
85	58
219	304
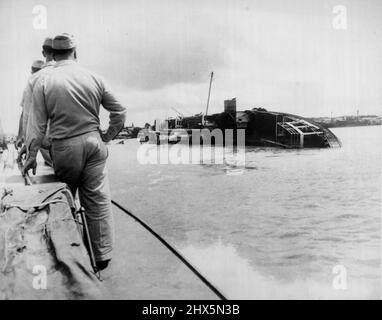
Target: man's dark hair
34	70
62	52
47	49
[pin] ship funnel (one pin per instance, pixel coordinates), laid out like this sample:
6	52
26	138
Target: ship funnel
230	106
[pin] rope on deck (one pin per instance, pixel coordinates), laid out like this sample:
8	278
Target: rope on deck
173	250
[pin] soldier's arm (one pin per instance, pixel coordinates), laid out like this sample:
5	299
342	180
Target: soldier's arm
37	120
20	139
21	134
117	113
27	100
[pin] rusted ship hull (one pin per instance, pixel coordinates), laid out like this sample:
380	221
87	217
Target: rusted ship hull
284	130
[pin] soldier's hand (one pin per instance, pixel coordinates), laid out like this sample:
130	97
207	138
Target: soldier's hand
30	164
105	138
22	153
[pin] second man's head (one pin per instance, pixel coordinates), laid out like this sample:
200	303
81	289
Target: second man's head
64	47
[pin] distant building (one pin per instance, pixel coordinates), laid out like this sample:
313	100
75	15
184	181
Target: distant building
128	132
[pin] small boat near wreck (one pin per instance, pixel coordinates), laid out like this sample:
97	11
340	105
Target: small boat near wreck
43	254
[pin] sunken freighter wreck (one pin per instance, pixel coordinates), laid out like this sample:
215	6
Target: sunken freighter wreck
262	128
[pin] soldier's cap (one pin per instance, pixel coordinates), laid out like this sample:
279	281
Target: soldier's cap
48	42
63	41
37	64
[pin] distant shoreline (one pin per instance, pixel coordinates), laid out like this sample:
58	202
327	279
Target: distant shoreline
349	125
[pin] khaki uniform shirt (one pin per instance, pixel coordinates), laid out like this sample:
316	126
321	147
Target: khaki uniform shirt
70	97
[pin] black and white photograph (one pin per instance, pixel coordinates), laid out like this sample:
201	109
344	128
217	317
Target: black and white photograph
178	150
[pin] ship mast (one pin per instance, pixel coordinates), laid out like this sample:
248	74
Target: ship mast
209	92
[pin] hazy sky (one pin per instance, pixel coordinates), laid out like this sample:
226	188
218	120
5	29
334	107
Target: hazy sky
284	55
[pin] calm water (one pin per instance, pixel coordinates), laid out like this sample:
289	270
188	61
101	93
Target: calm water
278	229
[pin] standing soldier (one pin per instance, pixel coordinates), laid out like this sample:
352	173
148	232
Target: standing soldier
47	52
70	97
36	66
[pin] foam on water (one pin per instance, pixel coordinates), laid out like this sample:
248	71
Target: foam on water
236	277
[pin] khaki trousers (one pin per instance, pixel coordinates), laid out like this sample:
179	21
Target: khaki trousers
80	162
